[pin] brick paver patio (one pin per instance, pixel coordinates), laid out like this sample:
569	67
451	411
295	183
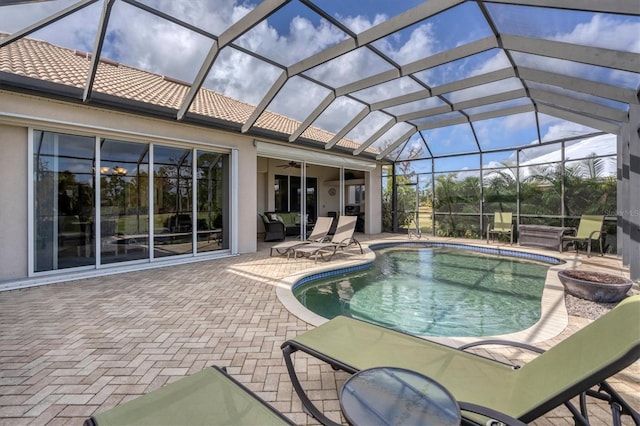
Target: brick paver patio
71	349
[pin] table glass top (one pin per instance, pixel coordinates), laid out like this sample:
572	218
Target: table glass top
397	396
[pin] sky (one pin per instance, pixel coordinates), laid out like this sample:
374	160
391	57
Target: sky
139	39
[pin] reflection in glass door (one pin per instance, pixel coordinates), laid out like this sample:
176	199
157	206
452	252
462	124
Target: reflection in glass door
213	201
63	200
124	201
173	201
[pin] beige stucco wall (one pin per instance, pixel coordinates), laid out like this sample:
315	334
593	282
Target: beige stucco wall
18	112
13	202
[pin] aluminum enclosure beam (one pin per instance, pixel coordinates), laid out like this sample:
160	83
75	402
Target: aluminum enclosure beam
377	135
605	126
608	58
590	87
625	7
580	106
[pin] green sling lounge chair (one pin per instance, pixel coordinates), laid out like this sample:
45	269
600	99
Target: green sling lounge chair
342	238
589	229
501	225
577	366
209	397
318	234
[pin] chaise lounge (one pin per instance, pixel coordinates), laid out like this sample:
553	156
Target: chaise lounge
318	234
577	366
205	398
342	238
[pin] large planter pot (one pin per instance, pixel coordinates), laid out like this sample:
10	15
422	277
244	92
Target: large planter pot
595	286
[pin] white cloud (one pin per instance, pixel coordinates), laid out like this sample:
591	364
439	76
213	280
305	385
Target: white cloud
419	45
339	113
229	76
565	129
497	62
603	31
361	23
15	18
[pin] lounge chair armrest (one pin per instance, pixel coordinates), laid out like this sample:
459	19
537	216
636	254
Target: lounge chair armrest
502	343
487	412
591	235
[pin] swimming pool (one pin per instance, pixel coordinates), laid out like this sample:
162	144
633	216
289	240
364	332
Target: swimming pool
434	291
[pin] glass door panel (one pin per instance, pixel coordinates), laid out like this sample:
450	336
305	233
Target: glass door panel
213	201
281	190
173	206
312	199
124	201
63	201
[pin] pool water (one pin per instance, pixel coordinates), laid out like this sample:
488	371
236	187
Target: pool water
434	292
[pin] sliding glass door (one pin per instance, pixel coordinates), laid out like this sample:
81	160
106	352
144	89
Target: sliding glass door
63	188
188	198
124	201
173	201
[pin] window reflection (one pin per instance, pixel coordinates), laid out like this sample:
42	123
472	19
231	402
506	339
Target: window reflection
213	201
173	188
63	201
124	201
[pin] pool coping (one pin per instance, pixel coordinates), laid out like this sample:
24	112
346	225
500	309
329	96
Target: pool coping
553	317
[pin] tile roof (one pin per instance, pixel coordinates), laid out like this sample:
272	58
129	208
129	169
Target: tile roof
45	61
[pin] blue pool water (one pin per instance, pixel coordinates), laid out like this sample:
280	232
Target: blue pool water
434	292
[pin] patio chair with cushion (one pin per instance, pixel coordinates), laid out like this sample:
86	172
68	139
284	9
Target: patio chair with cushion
589	230
318	234
502	224
274	229
342	238
207	397
576	367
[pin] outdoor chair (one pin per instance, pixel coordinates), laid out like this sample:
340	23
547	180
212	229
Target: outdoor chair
576	367
318	234
205	398
342	238
502	224
589	230
273	228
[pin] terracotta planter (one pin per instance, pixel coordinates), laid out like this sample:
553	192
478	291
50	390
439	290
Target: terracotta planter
603	288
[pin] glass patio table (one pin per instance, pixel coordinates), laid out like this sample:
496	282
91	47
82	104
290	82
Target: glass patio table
390	395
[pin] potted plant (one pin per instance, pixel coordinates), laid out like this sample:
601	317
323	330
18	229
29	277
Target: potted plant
595	286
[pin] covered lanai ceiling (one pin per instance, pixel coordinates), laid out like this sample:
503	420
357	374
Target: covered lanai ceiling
395	79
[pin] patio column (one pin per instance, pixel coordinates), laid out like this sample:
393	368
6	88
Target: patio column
373	201
628	195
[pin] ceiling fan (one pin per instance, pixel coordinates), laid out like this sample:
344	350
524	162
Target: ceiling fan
290	164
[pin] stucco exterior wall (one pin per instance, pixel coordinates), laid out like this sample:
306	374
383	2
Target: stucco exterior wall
13	202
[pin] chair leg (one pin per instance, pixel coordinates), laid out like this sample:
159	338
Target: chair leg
308	406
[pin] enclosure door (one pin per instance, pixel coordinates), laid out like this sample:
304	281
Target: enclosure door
408	206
